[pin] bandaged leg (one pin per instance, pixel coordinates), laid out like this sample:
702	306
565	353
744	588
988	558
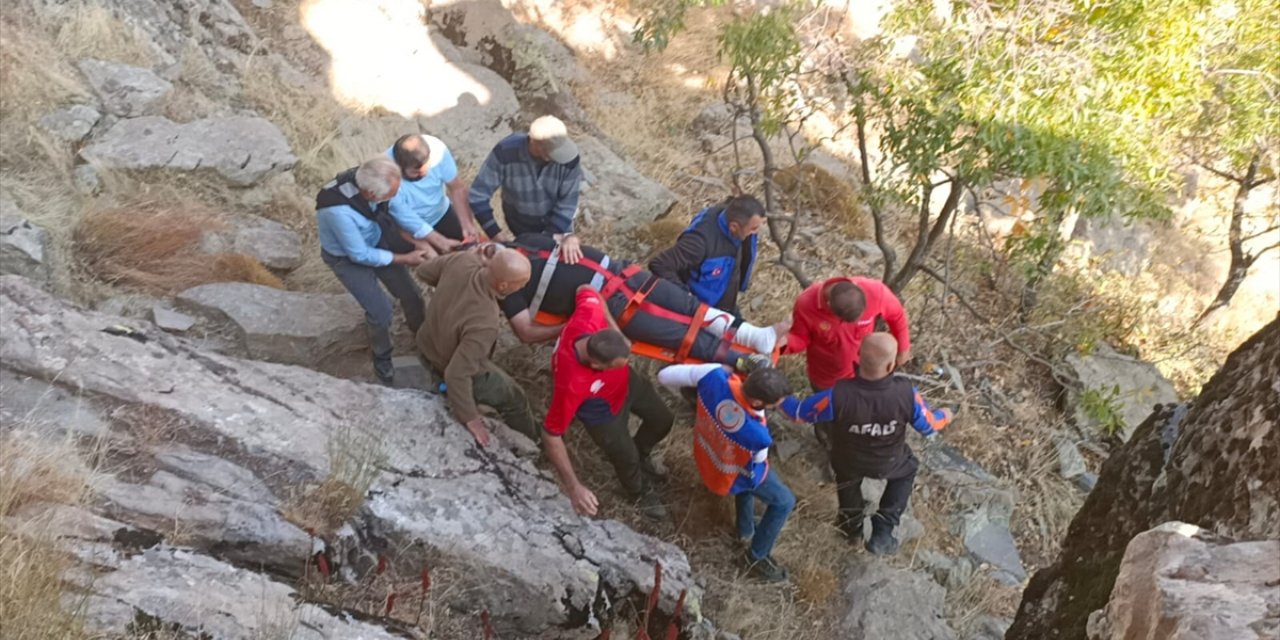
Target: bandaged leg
758	339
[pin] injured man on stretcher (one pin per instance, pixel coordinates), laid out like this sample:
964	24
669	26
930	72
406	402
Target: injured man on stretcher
648	309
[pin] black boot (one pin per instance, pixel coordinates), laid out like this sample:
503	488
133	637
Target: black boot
380	340
851	526
882	542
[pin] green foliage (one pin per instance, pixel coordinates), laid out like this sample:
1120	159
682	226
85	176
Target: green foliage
1102	405
662	19
764	53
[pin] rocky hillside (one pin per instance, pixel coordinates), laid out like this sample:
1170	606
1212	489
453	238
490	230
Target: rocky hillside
1211	464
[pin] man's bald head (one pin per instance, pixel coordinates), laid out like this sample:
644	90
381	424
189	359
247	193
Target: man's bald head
878	356
411	154
508	270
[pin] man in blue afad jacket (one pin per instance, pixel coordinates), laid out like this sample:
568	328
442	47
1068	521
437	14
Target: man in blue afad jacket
715	255
868	416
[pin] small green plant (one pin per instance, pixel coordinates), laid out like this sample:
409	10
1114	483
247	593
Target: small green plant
1102	406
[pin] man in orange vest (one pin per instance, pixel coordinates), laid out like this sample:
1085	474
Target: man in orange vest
731	447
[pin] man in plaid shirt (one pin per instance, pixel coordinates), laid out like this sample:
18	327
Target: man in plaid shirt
540	175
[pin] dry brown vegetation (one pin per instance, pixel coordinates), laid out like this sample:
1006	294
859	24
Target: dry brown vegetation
812	188
155	248
36	471
355	461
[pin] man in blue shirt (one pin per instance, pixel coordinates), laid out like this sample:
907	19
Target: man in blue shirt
540	175
354	224
715	255
431	206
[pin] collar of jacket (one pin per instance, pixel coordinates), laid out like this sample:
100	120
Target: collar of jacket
724	228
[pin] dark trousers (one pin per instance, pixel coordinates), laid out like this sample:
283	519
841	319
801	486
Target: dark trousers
494	388
624	451
897	492
362	281
449	226
668	332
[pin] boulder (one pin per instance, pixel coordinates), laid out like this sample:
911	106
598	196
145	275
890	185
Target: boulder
45	409
497	526
1071	463
717	119
1212	464
125	90
991	543
1133	385
70	124
242	149
1116	243
886	602
171	320
614	190
282	326
1180	582
135	587
23	245
273	244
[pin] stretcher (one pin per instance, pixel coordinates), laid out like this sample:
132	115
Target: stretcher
637	301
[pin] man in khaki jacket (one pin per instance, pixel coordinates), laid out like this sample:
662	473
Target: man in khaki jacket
460	330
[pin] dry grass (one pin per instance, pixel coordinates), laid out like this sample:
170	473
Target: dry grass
810	187
36	470
155	248
356	459
91	31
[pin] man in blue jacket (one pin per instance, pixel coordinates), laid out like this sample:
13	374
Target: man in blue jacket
431	206
354	226
731	448
715	255
868	415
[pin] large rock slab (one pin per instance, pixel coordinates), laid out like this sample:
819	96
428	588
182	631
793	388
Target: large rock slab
23	245
886	602
616	191
134	586
125	90
70	124
1214	465
513	541
1135	386
1179	582
242	149
273	244
282	326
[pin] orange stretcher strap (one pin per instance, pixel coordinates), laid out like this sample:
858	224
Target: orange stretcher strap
636	301
692	333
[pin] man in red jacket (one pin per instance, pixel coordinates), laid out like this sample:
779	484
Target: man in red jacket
829	321
594	383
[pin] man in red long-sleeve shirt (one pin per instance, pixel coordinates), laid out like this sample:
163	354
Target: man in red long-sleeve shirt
594	383
831	318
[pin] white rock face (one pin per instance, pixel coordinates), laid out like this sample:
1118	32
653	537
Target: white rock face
273	244
1140	387
246	430
71	124
884	602
242	149
282	326
125	90
1179	582
23	245
616	191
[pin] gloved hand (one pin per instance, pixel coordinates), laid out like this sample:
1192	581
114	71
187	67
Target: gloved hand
747	364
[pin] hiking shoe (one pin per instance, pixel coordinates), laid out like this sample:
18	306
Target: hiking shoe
385	373
651	506
882	542
765	569
653	468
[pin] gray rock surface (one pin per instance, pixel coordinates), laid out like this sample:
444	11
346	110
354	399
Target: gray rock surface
273	244
282	326
503	525
614	190
171	320
24	246
125	90
987	627
86	179
46	409
1212	464
1141	387
1071	463
992	543
70	124
952	573
242	149
1179	582
411	373
885	602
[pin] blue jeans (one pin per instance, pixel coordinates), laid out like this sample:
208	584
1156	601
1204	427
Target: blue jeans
779	500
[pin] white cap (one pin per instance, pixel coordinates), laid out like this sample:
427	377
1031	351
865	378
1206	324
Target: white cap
551	132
